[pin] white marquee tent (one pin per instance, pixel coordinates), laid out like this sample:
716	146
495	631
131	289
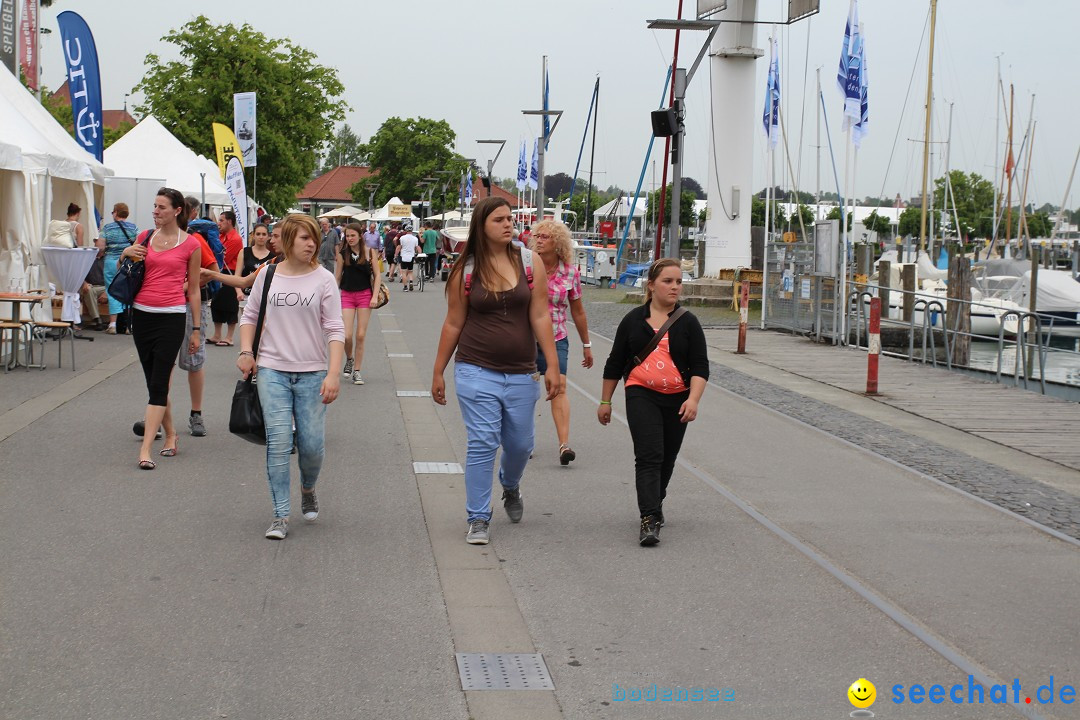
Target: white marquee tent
42	169
149	150
383	213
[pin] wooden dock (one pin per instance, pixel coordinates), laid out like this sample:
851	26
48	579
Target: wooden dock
1029	422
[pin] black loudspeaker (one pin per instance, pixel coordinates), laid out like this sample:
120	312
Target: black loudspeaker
664	122
486	181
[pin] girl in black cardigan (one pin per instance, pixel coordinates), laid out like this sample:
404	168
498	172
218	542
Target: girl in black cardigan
662	392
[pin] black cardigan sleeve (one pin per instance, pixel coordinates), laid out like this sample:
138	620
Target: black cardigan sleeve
698	352
620	348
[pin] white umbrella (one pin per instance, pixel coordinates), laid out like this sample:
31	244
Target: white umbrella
361	216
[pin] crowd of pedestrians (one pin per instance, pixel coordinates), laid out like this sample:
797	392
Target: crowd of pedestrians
509	302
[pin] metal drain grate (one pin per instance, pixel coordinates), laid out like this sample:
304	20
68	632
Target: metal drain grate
437	468
414	393
503	671
399	354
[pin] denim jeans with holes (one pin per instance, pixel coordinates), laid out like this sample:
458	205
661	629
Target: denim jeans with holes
498	410
285	396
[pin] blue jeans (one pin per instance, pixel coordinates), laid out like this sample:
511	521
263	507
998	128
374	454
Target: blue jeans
498	409
286	396
562	349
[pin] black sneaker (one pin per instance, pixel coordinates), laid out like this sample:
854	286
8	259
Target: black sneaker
309	505
139	428
650	531
513	505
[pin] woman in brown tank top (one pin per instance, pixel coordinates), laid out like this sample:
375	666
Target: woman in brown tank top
495	318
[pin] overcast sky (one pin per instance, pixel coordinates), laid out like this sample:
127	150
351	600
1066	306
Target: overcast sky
478	65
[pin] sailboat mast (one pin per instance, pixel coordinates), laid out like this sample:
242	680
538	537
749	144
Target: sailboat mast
817	198
1009	170
997	149
926	145
592	154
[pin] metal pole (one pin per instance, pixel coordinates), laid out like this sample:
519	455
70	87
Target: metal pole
592	157
540	152
926	146
37	49
202	180
676	164
817	199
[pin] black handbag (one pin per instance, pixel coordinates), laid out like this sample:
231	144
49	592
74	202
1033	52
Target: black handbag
129	277
246	415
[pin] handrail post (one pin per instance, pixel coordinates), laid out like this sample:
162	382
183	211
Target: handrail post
874	343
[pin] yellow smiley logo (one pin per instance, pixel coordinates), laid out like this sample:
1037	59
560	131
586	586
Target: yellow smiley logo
862	693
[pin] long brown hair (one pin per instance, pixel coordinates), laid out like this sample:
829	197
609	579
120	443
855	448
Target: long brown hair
476	246
654	272
346	252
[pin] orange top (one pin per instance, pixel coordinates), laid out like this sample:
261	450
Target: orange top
658	371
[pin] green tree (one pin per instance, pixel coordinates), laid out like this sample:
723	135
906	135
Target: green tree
777	217
558	184
911	221
114	134
687	217
879	224
835	214
297	99
577	204
1039	225
689	184
974	196
344	148
807	219
405	151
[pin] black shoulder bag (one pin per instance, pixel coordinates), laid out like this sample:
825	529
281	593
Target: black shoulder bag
129	277
656	338
246	415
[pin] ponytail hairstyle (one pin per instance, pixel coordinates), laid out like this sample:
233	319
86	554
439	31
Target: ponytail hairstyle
176	200
654	272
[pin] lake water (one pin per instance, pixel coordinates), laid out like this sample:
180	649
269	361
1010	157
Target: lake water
1062	359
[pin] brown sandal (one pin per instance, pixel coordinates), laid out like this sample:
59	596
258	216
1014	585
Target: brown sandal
147	465
171	452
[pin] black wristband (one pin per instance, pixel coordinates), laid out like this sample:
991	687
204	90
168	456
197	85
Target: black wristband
196	328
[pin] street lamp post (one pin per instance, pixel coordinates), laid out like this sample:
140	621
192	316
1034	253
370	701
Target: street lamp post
681	79
491	163
544	138
371	187
445	185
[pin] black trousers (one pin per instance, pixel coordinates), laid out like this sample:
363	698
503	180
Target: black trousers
224	308
158	337
658	434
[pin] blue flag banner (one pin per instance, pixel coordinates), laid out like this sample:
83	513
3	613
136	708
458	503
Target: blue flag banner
84	82
860	129
770	118
535	168
547	119
849	73
523	169
461	190
468	190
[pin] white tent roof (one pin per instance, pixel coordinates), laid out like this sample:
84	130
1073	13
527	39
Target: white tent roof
383	213
623	207
149	150
343	211
42	143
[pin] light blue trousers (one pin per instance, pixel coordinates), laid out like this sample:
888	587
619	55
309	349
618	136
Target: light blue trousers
498	410
285	396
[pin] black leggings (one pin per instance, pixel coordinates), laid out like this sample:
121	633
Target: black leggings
158	337
658	434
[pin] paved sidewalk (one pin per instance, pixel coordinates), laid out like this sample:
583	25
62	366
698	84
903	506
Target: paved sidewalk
793	563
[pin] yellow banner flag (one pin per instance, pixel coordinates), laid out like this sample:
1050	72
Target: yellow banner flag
227	147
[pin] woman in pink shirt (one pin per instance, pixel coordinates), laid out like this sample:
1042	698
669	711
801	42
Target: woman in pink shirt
171	257
302	338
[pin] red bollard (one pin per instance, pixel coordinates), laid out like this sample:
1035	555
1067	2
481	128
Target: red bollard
874	341
744	310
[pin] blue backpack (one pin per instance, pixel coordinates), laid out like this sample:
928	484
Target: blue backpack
209	232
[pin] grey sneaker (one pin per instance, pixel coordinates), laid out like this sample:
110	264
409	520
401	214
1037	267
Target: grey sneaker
279	528
356	379
478	533
348	367
512	504
196	425
309	505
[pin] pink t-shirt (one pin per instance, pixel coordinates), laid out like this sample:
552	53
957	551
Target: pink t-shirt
303	315
564	285
166	271
658	372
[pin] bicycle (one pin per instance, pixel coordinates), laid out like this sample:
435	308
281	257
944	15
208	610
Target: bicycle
419	270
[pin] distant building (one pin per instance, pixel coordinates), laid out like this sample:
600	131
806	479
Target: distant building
331	190
111	119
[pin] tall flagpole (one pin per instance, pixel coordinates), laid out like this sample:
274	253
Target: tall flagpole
926	145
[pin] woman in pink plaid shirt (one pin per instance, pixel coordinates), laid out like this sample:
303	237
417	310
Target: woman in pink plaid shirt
551	241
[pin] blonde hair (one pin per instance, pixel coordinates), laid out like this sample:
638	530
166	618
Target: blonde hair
559	233
290	228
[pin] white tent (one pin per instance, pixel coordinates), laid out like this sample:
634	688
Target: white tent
620	207
449	215
383	213
42	169
342	212
361	216
149	150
